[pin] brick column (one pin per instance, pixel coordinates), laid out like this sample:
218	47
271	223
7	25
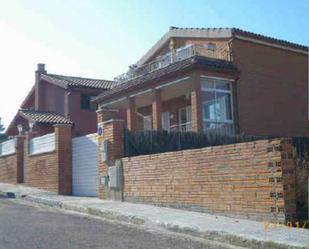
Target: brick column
131	115
20	158
196	104
63	137
107	114
156	110
113	132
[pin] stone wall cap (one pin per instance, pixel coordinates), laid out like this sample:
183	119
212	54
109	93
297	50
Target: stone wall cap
107	110
112	120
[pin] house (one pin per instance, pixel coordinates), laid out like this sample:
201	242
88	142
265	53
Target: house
205	81
210	82
216	81
57	99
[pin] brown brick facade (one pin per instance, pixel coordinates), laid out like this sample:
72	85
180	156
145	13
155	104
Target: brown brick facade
272	90
244	179
52	171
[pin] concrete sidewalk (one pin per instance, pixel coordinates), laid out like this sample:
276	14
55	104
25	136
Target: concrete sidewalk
239	232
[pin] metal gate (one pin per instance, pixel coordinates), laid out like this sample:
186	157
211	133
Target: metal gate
84	165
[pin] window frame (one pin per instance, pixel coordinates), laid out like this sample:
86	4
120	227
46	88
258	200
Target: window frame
187	124
89	107
214	90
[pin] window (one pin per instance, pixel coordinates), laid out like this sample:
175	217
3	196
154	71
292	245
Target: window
185	119
165	121
217	105
147	123
211	46
85	102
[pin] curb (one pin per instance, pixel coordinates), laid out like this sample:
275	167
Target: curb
220	237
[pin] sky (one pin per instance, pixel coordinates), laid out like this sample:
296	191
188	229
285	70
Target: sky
101	38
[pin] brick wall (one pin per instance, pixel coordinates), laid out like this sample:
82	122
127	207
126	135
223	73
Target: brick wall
272	81
11	166
52	171
8	169
244	179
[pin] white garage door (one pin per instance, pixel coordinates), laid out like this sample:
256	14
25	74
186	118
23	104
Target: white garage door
84	166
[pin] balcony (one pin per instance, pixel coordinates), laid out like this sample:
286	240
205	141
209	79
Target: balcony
180	54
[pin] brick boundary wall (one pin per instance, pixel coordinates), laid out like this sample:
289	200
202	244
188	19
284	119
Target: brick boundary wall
52	171
11	166
254	180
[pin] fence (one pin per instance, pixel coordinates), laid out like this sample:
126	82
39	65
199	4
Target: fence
8	147
152	142
42	144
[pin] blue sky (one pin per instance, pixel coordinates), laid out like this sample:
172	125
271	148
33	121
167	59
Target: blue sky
100	39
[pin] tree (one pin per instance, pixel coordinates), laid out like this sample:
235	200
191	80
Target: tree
1	127
2	135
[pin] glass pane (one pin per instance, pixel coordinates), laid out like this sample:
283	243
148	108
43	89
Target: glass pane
223	107
183	116
209	105
147	123
189	114
165	121
207	83
222	85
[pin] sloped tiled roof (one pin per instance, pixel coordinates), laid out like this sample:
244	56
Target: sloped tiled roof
207	63
44	117
71	81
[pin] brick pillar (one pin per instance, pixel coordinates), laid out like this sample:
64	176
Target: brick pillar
131	115
113	132
20	158
196	104
107	114
156	110
63	137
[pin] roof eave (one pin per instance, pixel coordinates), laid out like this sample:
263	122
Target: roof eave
101	99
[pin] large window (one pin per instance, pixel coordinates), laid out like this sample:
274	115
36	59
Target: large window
217	105
86	102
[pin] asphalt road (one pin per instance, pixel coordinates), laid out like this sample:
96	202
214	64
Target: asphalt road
24	226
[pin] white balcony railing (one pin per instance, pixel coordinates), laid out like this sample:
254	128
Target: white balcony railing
182	127
169	58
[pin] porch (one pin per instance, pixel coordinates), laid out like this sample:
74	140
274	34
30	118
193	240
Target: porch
198	102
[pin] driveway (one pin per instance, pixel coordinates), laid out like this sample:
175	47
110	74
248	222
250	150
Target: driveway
24	226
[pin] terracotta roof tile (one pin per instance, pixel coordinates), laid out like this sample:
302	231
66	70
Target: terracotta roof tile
44	117
70	81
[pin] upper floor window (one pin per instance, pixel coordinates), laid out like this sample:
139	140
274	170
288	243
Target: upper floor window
85	102
211	46
217	105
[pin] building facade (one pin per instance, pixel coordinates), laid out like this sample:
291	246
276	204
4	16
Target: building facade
56	99
216	80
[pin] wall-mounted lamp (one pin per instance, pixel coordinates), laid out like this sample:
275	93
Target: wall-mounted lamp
20	129
172	44
31	124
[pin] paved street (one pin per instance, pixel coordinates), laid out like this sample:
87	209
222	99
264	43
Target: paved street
23	226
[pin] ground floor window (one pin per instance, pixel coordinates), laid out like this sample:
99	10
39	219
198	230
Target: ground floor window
217	105
185	119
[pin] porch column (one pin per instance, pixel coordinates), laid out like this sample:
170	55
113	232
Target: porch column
131	115
196	105
156	110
